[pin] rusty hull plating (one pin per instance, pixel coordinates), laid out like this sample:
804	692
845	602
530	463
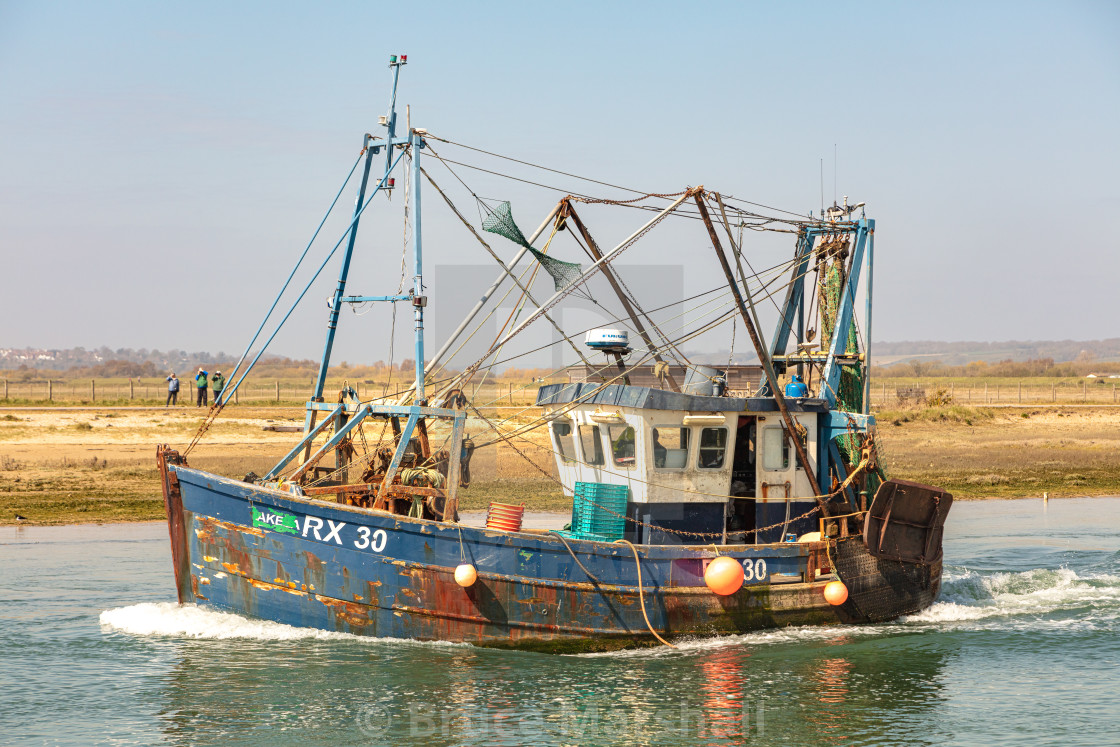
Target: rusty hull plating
307	562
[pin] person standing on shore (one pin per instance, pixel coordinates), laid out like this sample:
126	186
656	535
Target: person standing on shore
200	380
172	390
217	383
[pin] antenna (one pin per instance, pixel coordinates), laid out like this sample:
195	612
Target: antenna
834	168
822	187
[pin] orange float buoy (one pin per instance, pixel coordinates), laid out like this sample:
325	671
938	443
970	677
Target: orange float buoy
835	593
724	576
465	575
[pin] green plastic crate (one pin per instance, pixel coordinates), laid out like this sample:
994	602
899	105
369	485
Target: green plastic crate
583	535
599	511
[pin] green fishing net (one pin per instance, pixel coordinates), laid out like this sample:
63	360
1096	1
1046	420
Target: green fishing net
849	446
849	398
500	221
850	395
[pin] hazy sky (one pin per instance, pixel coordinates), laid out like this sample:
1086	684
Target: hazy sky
162	165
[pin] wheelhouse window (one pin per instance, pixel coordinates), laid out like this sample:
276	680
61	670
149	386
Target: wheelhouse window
562	437
713	448
775	448
670	447
592	444
623	447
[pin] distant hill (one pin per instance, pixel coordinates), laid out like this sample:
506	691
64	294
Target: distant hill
883	354
59	360
960	353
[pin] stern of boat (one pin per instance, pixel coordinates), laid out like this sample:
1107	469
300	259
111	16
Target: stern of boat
894	567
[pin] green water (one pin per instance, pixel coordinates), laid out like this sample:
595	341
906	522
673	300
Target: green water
1023	648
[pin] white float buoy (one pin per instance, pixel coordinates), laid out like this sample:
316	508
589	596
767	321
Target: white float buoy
465	575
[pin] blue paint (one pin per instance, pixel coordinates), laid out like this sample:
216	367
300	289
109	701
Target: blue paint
418	265
344	271
867	332
366	299
769	513
388	567
307	439
839	343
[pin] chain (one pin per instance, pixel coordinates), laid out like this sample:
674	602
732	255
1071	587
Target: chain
805	515
604	201
862	466
208	421
507	440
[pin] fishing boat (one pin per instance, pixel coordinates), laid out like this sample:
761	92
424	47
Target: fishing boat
697	510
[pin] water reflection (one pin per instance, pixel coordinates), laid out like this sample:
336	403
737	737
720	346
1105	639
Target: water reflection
722	695
831	681
355	692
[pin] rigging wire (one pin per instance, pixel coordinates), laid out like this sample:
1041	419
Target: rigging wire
400	283
216	408
299	262
729	313
779	270
722	319
594	181
681	212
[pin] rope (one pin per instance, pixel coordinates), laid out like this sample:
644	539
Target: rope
575	557
764	289
645	359
641	593
454	379
514	315
412	475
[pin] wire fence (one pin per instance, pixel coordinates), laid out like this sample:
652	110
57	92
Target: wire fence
277	391
886	394
891	394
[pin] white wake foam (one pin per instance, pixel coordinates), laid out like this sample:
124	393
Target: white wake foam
971	596
1038	598
190	621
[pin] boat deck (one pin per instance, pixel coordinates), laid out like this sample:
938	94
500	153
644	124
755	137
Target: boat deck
543	520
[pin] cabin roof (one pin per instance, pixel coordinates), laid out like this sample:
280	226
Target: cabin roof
648	398
642	397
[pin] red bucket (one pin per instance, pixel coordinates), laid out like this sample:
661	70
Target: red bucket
505	517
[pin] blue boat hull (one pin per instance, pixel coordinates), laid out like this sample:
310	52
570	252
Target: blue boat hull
311	563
